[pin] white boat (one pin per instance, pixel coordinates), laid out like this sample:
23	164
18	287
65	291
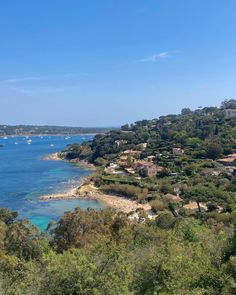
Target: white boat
16	142
51	144
5	137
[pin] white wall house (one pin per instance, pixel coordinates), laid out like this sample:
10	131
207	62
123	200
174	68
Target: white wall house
230	113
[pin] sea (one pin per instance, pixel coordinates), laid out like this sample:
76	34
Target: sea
25	176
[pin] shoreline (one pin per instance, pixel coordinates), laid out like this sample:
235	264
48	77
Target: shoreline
90	192
80	163
52	157
48	135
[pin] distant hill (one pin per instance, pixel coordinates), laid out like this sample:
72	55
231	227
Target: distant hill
6	130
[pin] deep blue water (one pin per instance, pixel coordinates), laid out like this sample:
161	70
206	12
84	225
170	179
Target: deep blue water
24	176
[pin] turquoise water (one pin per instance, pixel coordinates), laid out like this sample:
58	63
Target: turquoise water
25	176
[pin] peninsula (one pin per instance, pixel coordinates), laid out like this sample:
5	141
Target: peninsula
30	130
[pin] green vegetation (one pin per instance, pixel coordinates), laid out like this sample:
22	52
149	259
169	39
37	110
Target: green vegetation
126	190
7	130
105	253
200	137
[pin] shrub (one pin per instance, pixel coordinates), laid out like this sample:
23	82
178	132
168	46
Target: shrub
157	205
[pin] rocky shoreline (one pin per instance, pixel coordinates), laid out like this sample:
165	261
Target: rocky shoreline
82	164
52	157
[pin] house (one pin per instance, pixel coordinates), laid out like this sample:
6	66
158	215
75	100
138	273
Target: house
229	161
129	170
113	169
177	151
124	161
147	168
231	170
172	198
131	153
121	142
127	158
127	131
167	123
150	158
142	145
230	113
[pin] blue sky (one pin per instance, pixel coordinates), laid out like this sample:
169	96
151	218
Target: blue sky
108	62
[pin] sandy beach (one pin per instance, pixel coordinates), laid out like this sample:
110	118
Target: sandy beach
89	191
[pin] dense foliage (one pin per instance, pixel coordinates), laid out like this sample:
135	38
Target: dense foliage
104	253
204	135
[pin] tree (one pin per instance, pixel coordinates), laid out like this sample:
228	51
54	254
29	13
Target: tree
7	216
198	194
125	127
186	111
213	149
165	220
80	228
69	273
228	104
165	186
22	240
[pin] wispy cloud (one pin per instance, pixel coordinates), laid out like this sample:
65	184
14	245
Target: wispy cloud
45	90
18	80
36	85
36	90
155	57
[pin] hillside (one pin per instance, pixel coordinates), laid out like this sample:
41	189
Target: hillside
179	155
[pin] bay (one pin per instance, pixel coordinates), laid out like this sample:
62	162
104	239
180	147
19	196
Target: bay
25	176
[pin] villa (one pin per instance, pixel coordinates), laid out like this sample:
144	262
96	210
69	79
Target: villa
149	168
177	151
121	142
230	113
131	153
